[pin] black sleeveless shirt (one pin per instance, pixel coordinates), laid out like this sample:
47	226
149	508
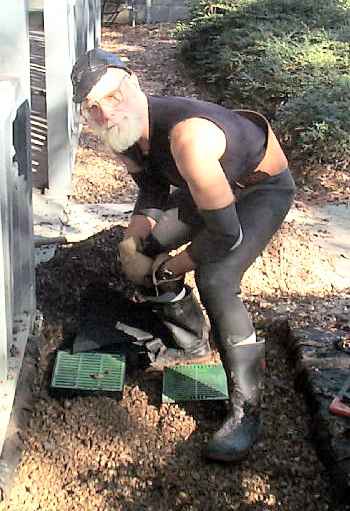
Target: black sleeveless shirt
245	146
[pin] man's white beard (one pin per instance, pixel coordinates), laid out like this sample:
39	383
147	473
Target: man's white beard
122	136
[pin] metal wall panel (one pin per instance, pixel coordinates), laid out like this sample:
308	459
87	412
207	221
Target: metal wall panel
7	107
22	214
17	279
14	44
17	252
71	28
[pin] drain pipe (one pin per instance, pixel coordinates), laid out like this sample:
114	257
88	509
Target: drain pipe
148	11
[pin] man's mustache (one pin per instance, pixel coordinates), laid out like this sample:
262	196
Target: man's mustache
120	136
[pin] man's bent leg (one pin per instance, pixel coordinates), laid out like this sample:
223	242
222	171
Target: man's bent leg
184	318
171	231
261	212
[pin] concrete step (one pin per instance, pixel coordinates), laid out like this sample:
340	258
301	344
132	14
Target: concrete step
321	368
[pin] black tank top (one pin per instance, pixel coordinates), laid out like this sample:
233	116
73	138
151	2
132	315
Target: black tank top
245	141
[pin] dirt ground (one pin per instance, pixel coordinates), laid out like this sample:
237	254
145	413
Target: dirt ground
98	454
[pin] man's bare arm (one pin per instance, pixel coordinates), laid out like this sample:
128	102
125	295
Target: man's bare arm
197	146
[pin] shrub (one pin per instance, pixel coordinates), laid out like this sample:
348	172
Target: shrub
274	55
316	123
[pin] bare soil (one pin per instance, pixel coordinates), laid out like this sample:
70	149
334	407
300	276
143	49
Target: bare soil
98	454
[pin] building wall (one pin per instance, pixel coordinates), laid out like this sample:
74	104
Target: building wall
156	11
168	10
160	11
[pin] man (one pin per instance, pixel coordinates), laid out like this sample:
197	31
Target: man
232	191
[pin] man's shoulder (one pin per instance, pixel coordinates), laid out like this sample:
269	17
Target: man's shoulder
197	135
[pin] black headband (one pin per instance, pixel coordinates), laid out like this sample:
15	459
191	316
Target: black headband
89	68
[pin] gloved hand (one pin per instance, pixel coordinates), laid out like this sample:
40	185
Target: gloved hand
136	266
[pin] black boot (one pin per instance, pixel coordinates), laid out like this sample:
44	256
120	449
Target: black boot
244	365
189	332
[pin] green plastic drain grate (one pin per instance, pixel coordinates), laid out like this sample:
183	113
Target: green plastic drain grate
88	372
197	382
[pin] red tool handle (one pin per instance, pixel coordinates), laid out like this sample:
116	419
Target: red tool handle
337	407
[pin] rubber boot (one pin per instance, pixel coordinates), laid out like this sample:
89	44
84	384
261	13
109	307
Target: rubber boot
189	332
244	365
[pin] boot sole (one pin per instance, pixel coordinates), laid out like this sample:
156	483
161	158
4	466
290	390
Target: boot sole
217	456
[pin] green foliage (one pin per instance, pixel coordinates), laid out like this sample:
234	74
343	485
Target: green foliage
316	123
277	56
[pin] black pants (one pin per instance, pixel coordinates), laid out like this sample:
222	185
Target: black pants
261	209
